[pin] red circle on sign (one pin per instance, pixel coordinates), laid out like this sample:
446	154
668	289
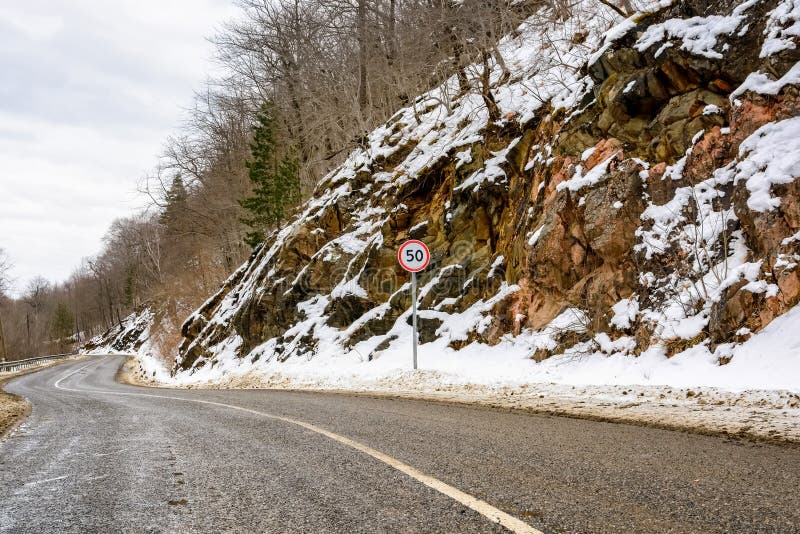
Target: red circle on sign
414	266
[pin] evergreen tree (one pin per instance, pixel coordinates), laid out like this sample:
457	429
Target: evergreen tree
129	289
276	184
63	325
175	206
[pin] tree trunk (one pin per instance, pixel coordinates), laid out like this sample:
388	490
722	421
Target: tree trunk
486	89
458	48
392	32
110	312
362	57
4	354
498	57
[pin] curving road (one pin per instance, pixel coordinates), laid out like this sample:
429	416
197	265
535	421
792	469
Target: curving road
98	456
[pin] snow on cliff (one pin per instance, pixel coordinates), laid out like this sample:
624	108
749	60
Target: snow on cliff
631	218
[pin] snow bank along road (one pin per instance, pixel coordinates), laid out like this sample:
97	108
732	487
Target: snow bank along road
100	456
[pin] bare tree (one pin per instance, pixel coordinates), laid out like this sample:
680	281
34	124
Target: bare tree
5	272
5	284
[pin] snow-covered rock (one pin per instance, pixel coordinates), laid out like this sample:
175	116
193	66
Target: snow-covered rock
629	218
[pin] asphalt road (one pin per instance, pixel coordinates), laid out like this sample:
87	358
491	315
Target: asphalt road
98	456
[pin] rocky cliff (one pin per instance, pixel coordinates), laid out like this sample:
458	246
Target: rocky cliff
129	336
638	194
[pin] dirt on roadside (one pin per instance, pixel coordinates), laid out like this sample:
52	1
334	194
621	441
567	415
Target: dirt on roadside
131	374
12	409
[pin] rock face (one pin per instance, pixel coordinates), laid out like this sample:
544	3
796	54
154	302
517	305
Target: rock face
128	336
632	182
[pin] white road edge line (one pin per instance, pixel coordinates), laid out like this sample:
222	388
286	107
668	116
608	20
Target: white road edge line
482	507
34	482
76	371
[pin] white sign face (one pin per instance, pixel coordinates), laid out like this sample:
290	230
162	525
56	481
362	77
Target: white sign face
413	256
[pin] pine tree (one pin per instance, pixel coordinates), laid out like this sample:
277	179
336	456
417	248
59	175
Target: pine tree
287	186
175	206
129	288
276	185
62	325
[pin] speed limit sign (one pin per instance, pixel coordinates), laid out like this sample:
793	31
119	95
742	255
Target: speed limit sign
414	256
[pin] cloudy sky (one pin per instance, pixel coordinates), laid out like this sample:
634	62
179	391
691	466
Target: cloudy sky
89	90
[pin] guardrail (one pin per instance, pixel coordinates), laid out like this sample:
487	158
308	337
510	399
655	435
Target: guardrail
18	365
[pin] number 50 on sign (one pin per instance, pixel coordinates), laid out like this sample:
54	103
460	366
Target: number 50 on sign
413	256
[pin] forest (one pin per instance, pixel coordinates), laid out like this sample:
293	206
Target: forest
304	82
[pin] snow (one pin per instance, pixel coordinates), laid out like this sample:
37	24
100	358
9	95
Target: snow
629	87
594	176
153	368
350	244
791	239
463	158
570	320
534	237
109	342
697	35
622	346
686	327
418	226
769	157
694	223
616	33
758	82
761	286
588	153
348	287
492	171
768	360
625	312
496	264
783	25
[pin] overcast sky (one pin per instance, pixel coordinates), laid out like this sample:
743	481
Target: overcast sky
89	90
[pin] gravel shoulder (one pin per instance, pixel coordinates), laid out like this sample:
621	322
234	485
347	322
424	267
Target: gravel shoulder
753	415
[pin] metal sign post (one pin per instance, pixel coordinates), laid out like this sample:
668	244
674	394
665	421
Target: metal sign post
414	256
414	314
